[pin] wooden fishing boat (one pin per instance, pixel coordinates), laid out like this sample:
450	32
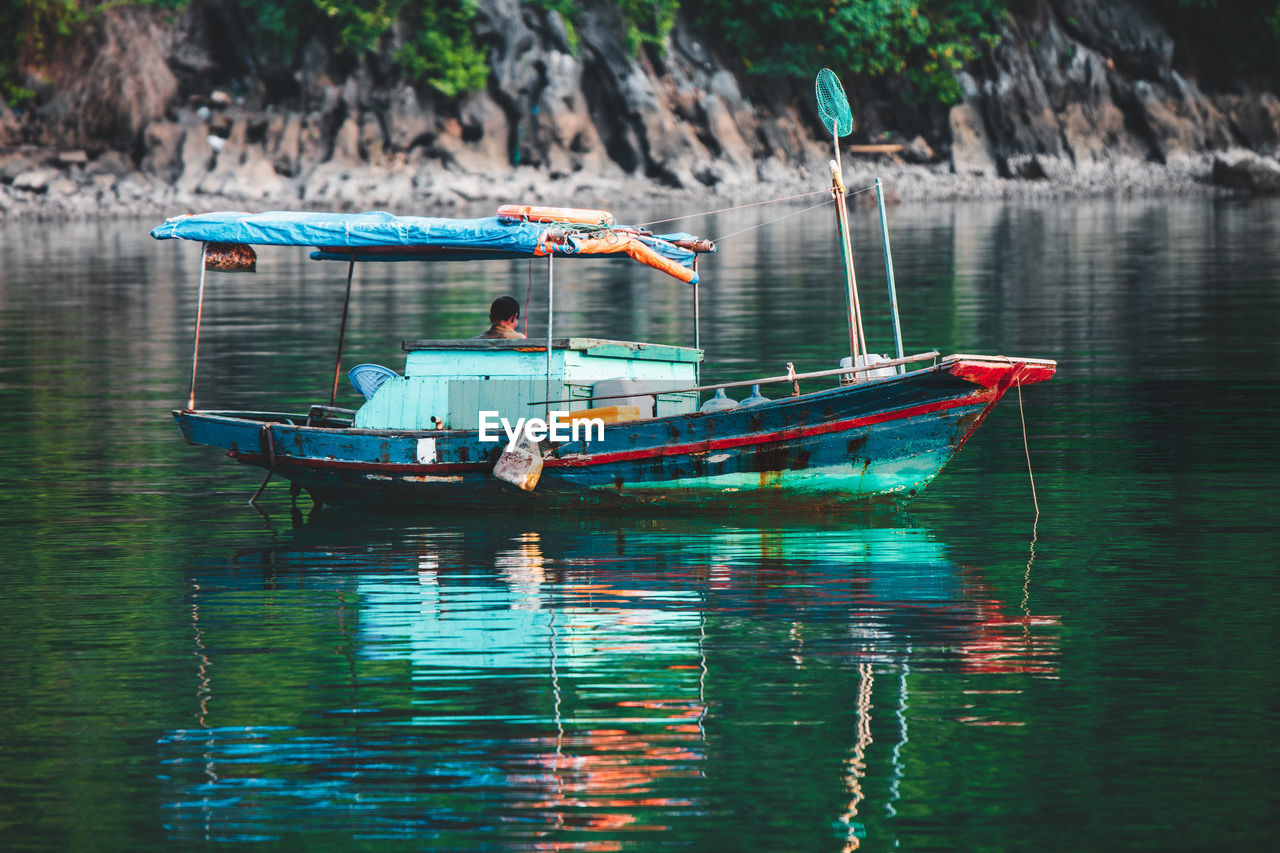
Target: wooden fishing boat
880	430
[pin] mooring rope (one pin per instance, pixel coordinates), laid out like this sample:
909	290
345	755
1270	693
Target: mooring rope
1026	582
1035	523
1027	448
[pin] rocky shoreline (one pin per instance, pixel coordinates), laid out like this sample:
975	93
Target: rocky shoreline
1079	99
50	185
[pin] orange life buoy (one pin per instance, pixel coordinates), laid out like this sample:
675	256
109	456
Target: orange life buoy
533	213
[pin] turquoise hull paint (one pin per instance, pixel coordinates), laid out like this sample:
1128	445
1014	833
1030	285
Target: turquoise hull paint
889	478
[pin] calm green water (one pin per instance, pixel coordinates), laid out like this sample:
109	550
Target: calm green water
177	670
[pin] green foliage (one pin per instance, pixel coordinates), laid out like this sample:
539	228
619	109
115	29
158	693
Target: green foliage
29	28
438	47
648	21
278	28
568	10
922	42
442	52
918	43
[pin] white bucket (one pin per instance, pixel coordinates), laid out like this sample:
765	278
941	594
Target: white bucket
865	375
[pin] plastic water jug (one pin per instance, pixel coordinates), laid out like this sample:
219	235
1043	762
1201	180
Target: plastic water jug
719	403
756	397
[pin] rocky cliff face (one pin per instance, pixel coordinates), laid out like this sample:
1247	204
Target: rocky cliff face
1079	96
1081	86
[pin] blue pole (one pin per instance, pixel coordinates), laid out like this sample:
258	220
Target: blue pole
551	297
888	270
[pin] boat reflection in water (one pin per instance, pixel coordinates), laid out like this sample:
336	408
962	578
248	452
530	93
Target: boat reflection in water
564	686
624	670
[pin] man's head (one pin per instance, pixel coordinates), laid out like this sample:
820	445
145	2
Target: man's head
503	311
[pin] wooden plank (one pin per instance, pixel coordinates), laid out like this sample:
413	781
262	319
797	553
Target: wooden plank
647	352
485	345
590	346
884	148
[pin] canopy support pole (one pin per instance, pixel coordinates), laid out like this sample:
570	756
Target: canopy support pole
551	296
195	354
888	271
342	331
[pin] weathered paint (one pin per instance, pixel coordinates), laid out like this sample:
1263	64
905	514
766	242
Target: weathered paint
886	438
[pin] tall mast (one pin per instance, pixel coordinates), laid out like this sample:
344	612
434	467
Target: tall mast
857	340
833	109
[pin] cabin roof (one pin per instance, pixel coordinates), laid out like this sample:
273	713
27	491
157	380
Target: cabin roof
599	347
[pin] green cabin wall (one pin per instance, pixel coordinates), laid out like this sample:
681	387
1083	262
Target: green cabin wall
455	380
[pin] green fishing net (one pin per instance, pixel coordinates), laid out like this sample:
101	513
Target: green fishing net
833	105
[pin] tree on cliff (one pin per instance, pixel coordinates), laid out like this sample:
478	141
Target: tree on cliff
102	69
435	45
921	41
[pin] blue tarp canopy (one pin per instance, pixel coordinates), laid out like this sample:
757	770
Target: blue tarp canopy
384	236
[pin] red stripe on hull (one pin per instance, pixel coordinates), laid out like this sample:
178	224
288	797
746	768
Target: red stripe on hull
767	437
987	400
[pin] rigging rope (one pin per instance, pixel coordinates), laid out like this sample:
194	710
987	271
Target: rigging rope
771	221
785	215
728	209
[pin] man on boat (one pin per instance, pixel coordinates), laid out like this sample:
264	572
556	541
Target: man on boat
503	315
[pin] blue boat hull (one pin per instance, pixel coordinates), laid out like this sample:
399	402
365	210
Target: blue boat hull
879	440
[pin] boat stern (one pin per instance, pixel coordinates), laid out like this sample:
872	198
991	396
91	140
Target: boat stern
239	433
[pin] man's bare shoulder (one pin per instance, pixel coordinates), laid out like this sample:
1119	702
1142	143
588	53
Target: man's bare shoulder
496	333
